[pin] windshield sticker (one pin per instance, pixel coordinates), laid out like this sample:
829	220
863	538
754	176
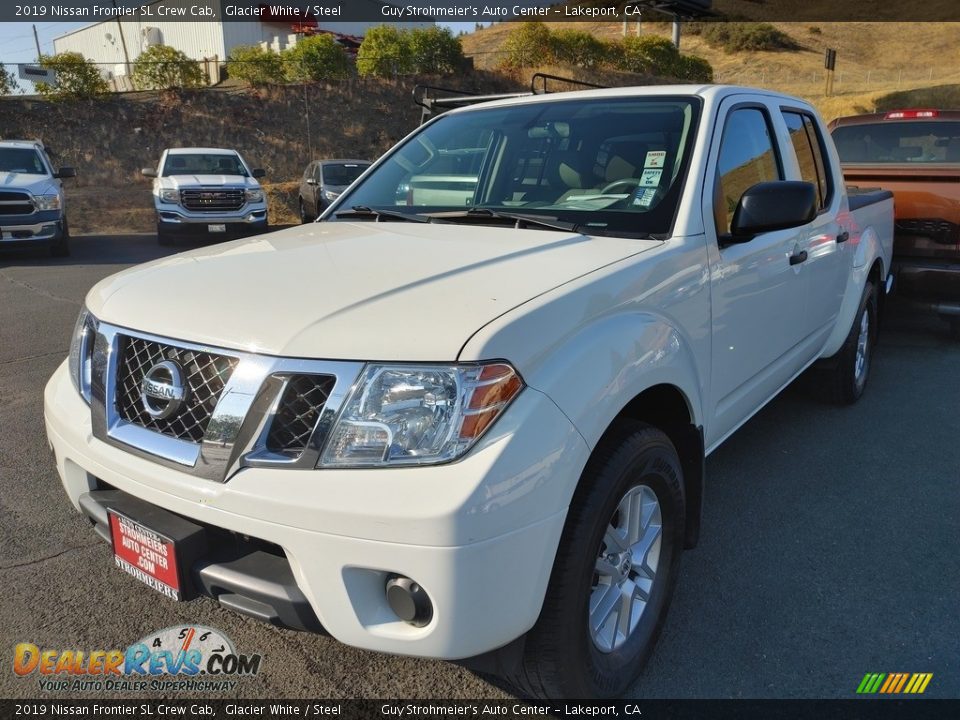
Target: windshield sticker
655	159
644	196
650	177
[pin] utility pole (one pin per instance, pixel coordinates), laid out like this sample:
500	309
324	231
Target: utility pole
123	41
676	32
37	41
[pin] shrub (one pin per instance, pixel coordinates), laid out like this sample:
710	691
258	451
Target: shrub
527	44
649	55
161	67
691	68
318	57
255	64
385	51
814	30
435	50
77	78
574	47
738	36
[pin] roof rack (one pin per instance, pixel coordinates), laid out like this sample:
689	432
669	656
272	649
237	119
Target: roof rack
433	104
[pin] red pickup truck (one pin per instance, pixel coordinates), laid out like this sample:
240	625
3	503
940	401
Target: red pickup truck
916	154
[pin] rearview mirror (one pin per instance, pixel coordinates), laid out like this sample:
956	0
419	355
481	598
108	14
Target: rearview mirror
65	172
148	172
771	206
259	172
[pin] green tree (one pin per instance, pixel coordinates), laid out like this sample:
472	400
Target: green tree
528	44
317	57
574	47
8	81
77	78
647	55
691	68
255	65
160	67
435	50
385	51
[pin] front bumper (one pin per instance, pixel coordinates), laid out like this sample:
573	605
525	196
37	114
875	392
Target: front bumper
932	282
478	535
174	219
36	227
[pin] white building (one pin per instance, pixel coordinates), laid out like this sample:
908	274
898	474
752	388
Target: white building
103	42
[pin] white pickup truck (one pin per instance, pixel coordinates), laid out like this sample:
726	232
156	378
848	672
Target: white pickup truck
477	430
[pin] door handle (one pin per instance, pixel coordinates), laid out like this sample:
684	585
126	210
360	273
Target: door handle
843	237
798	258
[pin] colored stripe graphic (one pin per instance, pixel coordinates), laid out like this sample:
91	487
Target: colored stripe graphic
894	683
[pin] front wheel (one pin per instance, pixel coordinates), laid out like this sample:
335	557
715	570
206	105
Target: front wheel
614	572
305	217
61	246
852	369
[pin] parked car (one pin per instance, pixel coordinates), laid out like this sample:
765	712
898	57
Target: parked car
322	183
207	192
916	154
33	207
479	431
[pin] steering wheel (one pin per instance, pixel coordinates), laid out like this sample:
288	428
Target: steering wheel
628	183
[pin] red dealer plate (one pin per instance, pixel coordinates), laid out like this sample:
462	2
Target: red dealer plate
146	554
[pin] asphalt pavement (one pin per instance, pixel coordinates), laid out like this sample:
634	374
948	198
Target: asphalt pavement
829	547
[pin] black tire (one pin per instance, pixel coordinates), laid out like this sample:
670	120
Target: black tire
848	380
164	239
304	217
61	246
561	658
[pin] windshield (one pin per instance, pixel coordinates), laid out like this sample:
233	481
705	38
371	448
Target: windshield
203	164
603	165
21	160
343	173
925	141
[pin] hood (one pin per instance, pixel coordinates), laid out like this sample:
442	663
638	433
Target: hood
31	182
351	291
192	181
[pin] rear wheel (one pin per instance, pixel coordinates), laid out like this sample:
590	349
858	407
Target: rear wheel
614	572
852	369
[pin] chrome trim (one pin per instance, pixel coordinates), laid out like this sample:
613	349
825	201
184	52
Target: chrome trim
236	435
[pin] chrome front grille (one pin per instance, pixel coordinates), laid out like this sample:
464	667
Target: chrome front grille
15	203
213	200
234	409
297	413
205	375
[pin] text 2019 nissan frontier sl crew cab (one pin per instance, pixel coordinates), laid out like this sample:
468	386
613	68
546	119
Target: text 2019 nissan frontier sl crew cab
476	428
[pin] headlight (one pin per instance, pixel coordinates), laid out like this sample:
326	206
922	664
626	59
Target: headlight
418	414
46	202
81	353
330	195
254	195
169	195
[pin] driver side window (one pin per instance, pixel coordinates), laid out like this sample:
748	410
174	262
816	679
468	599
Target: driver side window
748	156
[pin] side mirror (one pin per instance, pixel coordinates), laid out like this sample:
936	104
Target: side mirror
311	181
771	206
148	172
259	172
65	172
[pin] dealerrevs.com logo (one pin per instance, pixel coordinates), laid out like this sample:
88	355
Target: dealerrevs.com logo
194	658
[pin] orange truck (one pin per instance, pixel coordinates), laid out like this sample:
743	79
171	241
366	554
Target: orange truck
915	154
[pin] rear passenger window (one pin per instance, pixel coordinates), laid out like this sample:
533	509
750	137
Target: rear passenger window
747	157
809	150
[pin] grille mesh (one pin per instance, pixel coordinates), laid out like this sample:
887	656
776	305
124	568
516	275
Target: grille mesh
212	200
15	203
297	414
205	374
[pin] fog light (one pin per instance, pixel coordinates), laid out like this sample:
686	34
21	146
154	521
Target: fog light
409	601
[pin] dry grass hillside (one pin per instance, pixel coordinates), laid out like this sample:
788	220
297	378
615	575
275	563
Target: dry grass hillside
874	59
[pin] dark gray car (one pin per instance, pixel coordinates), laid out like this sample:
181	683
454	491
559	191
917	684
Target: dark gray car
322	183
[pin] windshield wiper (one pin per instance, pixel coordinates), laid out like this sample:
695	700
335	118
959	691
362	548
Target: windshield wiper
362	211
520	219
